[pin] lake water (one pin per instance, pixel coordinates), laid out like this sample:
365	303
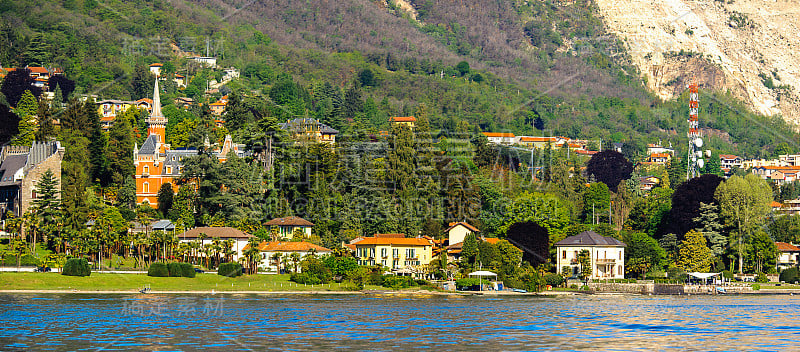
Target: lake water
356	322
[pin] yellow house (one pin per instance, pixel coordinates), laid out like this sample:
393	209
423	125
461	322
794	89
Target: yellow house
394	251
409	121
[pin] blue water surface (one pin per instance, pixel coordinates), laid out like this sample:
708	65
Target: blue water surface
235	322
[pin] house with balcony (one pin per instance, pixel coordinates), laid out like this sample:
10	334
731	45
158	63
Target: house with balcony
308	129
287	226
607	255
728	162
395	251
208	234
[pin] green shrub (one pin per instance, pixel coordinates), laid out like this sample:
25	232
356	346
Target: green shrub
584	288
756	287
305	278
421	282
24	260
727	274
467	284
762	278
230	269
398	282
187	270
76	267
789	275
573	286
174	269
553	279
158	270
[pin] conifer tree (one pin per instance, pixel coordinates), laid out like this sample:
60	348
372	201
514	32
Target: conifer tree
709	225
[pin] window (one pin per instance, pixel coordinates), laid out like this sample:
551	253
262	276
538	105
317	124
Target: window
169	170
410	253
620	255
563	254
146	187
383	252
395	253
145	170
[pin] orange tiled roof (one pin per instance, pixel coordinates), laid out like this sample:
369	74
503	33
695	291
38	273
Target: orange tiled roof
290	247
156	65
786	247
728	156
390	235
38	70
393	241
498	134
660	155
536	139
222	103
107	118
403	119
775	204
492	240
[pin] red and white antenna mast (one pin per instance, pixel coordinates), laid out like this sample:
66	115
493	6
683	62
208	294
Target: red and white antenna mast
695	161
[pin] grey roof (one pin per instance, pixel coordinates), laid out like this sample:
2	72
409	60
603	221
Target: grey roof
10	166
149	145
590	238
163	225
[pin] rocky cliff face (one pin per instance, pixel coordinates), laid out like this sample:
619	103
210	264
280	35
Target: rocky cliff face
748	47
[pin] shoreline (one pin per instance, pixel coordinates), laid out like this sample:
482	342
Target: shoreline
788	292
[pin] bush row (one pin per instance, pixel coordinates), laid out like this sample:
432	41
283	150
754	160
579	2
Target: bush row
230	269
171	270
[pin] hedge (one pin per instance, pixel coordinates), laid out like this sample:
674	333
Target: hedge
158	270
554	279
230	269
187	270
789	275
76	267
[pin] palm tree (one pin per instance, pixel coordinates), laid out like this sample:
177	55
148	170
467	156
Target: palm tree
252	253
276	257
295	257
216	244
227	247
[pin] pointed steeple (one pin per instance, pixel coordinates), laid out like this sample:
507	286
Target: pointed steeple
156	101
156	122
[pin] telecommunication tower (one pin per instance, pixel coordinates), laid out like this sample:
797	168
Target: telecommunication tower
695	157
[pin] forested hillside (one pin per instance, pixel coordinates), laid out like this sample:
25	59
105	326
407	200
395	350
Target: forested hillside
524	60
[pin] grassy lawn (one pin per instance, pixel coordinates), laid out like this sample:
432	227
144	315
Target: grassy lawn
131	282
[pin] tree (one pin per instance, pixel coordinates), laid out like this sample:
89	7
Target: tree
16	83
763	253
744	202
142	82
47	205
642	253
165	198
462	68
596	202
469	251
46	130
686	204
694	255
713	165
609	167
585	262
782	149
367	78
709	225
26	109
120	148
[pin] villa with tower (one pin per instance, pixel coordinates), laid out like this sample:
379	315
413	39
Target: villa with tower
158	164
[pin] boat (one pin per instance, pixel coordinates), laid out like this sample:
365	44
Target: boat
145	289
721	290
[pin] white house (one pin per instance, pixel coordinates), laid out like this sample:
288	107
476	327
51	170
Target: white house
285	250
607	255
458	230
790	255
208	234
155	69
501	138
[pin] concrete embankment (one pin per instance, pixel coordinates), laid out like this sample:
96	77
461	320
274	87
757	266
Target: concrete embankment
670	289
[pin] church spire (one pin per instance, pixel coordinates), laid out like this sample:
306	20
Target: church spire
157	123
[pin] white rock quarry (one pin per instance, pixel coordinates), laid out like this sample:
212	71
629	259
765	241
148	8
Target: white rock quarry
741	40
